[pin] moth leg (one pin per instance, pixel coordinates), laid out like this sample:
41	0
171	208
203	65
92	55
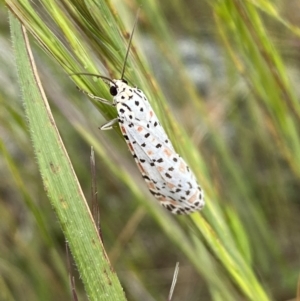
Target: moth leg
97	98
109	125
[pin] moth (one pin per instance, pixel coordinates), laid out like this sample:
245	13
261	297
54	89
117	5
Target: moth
168	177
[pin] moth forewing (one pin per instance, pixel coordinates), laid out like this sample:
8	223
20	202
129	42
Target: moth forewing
166	174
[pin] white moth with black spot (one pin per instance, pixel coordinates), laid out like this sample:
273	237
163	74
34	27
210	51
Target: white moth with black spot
166	174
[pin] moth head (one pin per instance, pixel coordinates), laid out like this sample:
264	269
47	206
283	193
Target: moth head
117	85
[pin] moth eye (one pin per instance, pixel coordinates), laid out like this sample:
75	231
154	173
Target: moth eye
125	81
113	90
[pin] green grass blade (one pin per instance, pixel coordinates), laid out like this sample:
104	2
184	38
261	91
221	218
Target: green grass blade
60	181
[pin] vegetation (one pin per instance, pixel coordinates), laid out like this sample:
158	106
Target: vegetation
237	126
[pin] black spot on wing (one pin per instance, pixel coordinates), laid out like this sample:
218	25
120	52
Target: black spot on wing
137	92
168	175
146	177
125	105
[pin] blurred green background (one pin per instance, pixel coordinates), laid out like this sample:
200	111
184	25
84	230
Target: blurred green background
230	73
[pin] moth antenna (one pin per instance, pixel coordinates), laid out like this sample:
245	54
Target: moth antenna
95	75
129	44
